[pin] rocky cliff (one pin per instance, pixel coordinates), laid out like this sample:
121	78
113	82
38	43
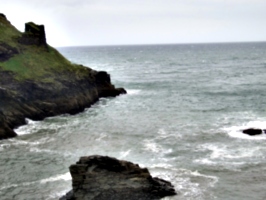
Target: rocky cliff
104	178
36	81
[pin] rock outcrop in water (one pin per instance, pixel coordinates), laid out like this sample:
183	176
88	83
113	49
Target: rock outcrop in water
253	131
104	178
37	81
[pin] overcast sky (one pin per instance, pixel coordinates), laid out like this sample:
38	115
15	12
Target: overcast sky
111	22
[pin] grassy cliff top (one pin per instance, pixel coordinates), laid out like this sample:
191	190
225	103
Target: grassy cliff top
8	33
29	57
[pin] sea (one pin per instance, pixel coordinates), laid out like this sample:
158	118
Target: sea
182	118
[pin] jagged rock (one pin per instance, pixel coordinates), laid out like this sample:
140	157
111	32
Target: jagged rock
5	130
253	131
104	178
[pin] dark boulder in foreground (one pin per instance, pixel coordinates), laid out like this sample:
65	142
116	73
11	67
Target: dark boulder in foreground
253	131
104	178
36	81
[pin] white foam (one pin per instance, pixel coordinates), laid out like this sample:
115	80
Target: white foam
124	154
152	146
185	183
133	91
26	129
219	152
223	152
10	186
225	164
17	141
102	135
214	178
59	194
37	150
3	146
205	161
163	134
236	131
34	126
161	165
227	157
162	131
65	177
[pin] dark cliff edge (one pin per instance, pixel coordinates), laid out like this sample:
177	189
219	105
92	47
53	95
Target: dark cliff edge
104	178
36	81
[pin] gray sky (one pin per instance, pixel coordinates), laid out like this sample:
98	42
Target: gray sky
108	22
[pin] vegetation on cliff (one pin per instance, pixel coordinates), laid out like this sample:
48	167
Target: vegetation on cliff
28	55
37	81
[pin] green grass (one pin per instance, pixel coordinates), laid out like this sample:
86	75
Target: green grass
8	33
36	62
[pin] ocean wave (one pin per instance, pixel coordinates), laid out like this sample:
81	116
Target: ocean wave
58	194
225	152
232	165
151	146
236	131
48	151
27	128
133	91
24	143
124	154
161	166
189	184
60	177
65	177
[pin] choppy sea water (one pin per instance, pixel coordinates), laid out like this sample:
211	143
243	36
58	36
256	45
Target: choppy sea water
182	118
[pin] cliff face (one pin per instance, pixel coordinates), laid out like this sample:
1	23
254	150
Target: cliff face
36	81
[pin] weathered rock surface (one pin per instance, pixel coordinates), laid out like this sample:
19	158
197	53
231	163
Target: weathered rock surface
6	52
36	81
104	178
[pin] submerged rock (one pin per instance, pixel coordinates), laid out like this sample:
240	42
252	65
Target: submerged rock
37	81
104	178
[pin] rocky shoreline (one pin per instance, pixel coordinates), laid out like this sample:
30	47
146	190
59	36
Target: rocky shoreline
38	82
30	88
104	178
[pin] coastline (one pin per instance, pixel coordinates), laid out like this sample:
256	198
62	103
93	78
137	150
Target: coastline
39	82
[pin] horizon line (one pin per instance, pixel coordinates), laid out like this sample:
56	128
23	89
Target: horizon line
158	44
